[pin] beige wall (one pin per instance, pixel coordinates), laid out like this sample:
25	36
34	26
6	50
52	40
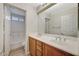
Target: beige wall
1	28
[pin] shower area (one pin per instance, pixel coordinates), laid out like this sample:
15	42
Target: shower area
14	28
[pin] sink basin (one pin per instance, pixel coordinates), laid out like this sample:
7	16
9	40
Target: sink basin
48	38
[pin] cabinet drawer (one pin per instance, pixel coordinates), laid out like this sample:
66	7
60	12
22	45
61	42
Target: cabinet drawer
39	43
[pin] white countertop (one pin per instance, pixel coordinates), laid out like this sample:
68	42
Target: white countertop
70	46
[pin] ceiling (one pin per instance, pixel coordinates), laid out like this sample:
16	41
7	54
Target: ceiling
35	4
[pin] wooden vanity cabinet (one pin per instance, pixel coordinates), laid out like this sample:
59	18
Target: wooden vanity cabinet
32	46
35	47
52	51
38	48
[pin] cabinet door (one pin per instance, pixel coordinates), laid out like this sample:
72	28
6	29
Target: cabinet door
51	51
32	46
39	48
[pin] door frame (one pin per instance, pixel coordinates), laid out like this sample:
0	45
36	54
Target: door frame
6	4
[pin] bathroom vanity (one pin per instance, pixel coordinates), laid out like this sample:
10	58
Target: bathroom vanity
40	47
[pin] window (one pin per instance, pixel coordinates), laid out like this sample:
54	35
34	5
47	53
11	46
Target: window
16	17
21	19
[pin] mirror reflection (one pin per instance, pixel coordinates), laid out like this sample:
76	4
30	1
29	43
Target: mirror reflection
61	19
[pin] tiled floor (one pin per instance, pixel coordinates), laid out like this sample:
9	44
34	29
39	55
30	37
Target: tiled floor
18	52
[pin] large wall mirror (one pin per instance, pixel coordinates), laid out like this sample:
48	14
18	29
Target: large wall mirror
61	19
